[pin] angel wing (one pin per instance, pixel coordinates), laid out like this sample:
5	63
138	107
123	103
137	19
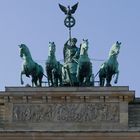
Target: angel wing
63	8
73	8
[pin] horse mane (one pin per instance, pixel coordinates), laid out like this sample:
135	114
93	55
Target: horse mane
113	48
52	44
84	41
27	50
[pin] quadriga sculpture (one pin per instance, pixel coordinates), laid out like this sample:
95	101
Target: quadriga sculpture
53	67
84	69
110	67
30	67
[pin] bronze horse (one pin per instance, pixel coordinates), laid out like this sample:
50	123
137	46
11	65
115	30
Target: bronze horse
84	69
110	67
53	67
29	67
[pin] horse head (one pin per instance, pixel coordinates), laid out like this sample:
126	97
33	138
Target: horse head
84	47
115	49
24	51
52	48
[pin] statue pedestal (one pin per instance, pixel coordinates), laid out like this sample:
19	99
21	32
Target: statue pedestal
66	108
64	111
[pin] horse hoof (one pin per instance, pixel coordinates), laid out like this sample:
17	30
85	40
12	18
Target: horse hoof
108	85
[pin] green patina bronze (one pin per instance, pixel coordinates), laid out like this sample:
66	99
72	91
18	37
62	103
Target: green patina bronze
30	67
84	68
77	67
76	71
69	21
71	56
110	67
53	67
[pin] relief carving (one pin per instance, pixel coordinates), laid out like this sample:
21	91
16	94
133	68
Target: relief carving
68	112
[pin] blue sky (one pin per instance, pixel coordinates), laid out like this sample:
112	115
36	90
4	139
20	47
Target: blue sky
103	22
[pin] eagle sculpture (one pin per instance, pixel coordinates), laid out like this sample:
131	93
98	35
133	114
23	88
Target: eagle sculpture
67	10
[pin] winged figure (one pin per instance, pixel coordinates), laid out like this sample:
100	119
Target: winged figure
69	10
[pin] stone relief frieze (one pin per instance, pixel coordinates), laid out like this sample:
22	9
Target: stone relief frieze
67	112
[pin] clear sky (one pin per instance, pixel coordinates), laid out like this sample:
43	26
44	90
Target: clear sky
103	22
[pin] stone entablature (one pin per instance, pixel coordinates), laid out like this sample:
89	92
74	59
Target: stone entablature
65	108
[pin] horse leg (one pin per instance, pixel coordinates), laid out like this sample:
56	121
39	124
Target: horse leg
34	81
55	77
102	81
80	77
60	77
56	81
40	76
22	72
108	80
59	74
81	80
101	78
89	74
52	80
87	81
117	76
49	78
48	81
40	83
60	80
40	80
